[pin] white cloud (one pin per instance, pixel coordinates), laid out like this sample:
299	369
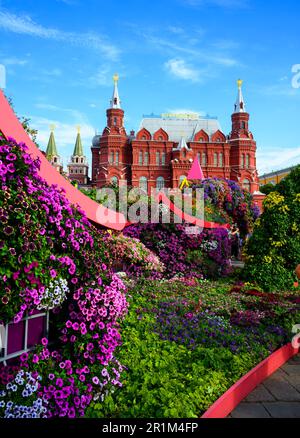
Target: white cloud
176	30
102	77
65	135
180	69
26	26
76	115
14	61
274	158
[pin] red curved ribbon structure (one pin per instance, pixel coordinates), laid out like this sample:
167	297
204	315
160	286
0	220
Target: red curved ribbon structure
10	126
162	197
243	387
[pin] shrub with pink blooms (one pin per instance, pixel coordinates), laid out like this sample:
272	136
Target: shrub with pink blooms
132	256
53	258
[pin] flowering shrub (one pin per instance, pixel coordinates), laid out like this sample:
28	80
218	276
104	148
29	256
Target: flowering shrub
53	258
19	400
273	252
182	253
185	346
226	201
132	256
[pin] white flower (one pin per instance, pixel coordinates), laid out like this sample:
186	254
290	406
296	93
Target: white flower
55	294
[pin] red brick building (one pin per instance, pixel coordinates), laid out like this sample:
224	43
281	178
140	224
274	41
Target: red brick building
163	150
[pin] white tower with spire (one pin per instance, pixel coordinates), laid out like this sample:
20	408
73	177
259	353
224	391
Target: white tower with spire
115	103
240	106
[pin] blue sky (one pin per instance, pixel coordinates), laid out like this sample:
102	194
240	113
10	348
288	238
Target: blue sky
171	55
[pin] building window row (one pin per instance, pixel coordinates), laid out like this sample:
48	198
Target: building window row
202	158
245	160
143	183
76	171
218	159
144	158
114	158
77	160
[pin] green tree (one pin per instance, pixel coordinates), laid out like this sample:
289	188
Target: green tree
273	251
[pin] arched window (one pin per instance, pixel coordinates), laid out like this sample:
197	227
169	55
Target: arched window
247	160
199	157
247	185
160	138
144	137
144	184
76	160
146	159
112	158
215	159
204	159
55	160
115	121
141	158
201	140
114	180
117	158
221	159
242	160
163	158
82	160
160	183
157	158
243	125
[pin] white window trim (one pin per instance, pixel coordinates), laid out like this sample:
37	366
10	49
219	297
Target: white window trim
3	356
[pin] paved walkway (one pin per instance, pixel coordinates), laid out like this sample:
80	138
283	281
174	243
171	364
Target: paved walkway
277	397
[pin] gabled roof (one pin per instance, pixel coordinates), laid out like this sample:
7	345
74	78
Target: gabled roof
177	127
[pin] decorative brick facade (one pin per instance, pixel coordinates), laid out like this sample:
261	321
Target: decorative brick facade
163	150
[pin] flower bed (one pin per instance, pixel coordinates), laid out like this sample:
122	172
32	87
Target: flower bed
206	254
55	260
183	345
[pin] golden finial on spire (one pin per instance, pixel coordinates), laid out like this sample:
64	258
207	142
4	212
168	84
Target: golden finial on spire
239	83
78	129
52	127
115	77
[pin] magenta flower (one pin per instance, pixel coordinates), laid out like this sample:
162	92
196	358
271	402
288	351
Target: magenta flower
11	157
95	380
44	342
53	273
59	382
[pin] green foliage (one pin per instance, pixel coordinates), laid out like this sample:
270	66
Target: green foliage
169	379
267	188
273	252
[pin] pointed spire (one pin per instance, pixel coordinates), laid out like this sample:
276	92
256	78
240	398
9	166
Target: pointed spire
51	148
78	150
239	106
115	102
182	144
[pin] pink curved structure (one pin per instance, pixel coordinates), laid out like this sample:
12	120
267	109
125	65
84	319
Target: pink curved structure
10	126
162	197
243	387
